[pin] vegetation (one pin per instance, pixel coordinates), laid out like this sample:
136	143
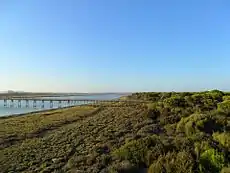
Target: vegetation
173	133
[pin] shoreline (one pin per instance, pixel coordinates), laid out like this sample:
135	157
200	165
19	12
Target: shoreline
53	109
35	95
38	111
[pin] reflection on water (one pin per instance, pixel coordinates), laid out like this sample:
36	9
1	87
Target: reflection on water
17	109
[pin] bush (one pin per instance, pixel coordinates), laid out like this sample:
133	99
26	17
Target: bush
124	166
200	147
211	161
190	128
170	129
181	162
150	130
181	143
153	112
169	119
207	100
223	138
136	151
226	97
199	122
224	106
188	124
209	125
175	101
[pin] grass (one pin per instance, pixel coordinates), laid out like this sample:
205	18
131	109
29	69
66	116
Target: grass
17	128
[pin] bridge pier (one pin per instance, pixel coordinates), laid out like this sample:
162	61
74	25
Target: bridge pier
51	104
43	103
12	103
59	103
5	103
19	104
34	104
27	103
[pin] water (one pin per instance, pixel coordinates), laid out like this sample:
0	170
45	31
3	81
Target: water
4	111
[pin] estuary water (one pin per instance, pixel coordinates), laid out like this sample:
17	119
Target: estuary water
15	109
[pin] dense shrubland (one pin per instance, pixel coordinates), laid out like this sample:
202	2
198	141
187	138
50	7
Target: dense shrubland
173	133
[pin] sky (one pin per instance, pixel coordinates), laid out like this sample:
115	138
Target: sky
114	46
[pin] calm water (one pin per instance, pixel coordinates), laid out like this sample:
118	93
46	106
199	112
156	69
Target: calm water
4	111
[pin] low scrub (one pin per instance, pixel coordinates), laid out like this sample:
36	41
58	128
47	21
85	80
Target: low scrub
181	162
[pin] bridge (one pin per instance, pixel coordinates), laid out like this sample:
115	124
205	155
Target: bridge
40	102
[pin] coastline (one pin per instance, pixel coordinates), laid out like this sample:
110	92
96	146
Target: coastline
54	109
36	112
35	95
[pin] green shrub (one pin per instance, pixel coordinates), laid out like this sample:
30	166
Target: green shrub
150	130
124	166
188	124
176	110
153	153
223	138
207	100
170	129
189	100
197	99
136	151
200	147
209	104
209	125
181	162
174	101
211	161
169	119
226	97
199	122
181	143
224	106
216	95
153	112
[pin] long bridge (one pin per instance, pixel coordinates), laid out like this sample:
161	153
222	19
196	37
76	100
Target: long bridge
40	102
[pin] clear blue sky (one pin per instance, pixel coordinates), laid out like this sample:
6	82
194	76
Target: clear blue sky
114	45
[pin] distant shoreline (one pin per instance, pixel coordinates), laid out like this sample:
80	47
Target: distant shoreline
53	109
33	95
